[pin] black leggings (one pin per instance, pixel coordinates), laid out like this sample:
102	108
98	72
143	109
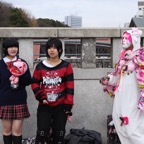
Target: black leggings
45	121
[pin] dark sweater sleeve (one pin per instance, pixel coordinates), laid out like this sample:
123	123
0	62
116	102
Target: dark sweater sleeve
36	86
25	79
69	86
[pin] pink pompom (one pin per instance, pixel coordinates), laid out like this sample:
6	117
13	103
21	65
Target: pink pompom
122	62
131	67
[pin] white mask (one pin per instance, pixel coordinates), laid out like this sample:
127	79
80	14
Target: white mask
126	45
126	40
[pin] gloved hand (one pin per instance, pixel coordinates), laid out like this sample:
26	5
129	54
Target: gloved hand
67	109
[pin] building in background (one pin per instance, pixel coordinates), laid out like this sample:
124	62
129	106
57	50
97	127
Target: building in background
73	21
140	12
138	20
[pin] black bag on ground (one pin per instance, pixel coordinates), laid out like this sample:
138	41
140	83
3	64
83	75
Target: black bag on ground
83	136
111	132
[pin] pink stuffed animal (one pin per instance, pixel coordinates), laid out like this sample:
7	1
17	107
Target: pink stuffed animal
129	54
106	87
19	68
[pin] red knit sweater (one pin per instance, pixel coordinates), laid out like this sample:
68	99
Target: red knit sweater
56	84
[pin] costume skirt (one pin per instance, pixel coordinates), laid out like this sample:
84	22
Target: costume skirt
14	112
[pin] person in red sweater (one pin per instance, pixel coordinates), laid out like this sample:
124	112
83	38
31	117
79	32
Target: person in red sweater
53	87
13	96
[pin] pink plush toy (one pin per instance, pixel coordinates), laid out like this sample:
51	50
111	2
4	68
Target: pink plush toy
122	64
19	68
106	87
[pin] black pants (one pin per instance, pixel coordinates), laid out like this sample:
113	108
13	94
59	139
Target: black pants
55	119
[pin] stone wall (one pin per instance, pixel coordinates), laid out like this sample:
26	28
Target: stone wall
91	104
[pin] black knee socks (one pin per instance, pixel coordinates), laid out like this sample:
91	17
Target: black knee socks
7	139
17	139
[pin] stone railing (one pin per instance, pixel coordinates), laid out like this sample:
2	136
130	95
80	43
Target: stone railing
91	105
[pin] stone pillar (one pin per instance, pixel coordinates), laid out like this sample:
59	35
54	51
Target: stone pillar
88	53
63	46
117	47
26	51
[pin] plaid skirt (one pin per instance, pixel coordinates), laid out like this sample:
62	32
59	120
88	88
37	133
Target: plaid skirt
14	112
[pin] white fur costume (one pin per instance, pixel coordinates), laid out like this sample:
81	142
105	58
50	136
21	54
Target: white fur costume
126	100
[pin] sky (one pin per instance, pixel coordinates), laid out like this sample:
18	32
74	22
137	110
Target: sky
94	13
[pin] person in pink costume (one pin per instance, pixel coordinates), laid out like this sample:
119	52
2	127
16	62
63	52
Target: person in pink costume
127	85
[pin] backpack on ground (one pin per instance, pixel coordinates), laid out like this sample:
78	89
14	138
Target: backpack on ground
83	136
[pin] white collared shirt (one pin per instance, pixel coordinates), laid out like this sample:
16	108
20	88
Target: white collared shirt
6	59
